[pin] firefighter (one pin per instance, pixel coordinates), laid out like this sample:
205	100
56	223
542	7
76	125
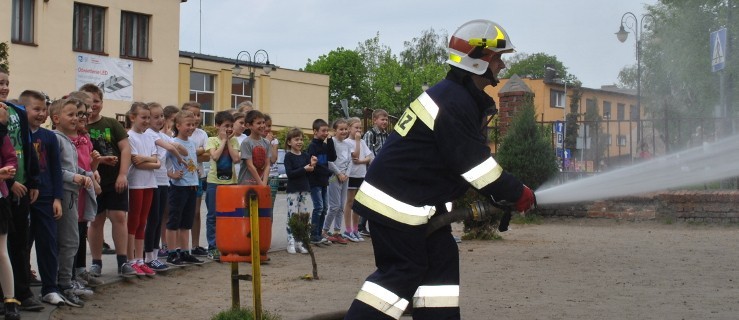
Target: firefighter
436	151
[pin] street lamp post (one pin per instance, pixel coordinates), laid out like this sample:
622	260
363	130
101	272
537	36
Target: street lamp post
260	58
637	26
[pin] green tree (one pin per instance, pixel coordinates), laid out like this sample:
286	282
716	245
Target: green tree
676	77
347	74
422	62
526	150
382	71
533	65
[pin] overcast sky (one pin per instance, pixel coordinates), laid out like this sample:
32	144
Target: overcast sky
580	33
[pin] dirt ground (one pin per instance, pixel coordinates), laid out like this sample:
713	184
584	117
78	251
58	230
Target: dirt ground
560	269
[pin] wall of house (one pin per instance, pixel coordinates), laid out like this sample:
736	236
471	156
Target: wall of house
50	65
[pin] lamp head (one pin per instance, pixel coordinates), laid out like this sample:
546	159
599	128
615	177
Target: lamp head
622	34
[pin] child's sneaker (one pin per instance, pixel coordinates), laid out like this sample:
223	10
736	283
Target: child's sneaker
349	236
71	298
145	269
89	278
188	258
358	236
80	290
300	247
291	247
127	269
199	252
96	270
337	239
137	267
163	252
174	260
157	266
214	254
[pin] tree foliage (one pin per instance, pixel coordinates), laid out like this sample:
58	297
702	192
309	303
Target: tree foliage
532	65
4	64
676	65
526	150
368	75
347	74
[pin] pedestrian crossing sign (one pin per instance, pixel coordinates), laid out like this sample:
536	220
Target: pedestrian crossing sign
718	50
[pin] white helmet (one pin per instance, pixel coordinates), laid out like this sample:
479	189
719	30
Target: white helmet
473	41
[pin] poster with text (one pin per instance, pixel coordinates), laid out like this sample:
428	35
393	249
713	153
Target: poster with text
113	76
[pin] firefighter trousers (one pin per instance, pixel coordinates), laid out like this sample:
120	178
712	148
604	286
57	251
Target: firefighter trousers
411	269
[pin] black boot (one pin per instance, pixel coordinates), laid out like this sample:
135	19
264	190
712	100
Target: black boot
11	309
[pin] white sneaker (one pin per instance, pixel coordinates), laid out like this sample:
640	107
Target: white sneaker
358	236
81	290
291	246
301	247
53	298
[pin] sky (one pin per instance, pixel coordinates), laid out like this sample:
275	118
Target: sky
580	33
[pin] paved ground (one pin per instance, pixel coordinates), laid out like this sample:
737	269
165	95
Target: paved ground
279	242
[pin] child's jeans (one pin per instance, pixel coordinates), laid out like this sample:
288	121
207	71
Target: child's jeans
319	196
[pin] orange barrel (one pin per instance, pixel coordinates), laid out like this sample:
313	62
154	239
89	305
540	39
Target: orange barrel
233	229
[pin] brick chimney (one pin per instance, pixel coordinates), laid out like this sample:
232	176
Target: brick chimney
510	98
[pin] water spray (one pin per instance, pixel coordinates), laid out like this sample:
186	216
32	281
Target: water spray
707	163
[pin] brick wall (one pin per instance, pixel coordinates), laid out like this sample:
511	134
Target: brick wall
508	105
693	206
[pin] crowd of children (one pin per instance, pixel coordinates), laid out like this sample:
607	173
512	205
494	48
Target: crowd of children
61	180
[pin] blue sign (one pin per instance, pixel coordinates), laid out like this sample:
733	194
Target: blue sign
718	50
559	127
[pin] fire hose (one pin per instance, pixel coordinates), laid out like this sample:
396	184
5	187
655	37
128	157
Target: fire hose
478	211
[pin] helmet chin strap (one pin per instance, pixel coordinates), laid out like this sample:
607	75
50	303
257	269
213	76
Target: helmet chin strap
490	76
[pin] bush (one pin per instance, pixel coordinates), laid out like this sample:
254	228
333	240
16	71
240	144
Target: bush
243	314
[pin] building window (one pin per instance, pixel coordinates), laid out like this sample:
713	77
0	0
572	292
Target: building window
633	112
591	107
557	98
621	140
22	21
89	28
606	110
240	91
621	111
609	137
134	35
202	91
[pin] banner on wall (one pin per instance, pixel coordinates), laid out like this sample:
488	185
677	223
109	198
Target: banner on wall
113	76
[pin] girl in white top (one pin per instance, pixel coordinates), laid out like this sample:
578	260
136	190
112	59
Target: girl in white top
361	156
337	184
164	145
141	184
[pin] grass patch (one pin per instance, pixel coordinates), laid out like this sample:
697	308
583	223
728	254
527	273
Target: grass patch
529	218
243	314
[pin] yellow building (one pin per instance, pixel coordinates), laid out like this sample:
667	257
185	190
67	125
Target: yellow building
292	98
616	108
131	50
127	47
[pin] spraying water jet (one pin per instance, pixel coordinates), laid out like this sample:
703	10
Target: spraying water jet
707	163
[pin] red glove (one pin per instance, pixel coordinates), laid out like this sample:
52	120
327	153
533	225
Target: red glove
526	201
